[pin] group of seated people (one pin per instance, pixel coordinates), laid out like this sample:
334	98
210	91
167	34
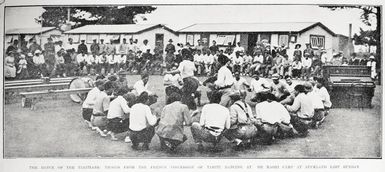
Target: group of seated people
281	109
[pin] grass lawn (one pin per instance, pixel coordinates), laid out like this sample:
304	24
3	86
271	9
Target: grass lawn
56	129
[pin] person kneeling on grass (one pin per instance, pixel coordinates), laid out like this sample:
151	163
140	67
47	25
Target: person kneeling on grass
142	123
100	109
214	119
271	117
117	120
242	128
302	110
170	129
323	93
89	102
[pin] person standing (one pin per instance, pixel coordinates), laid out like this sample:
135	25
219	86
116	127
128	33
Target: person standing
13	47
141	123
9	66
173	117
214	48
34	46
38	60
49	56
306	66
309	51
95	49
102	47
186	70
372	64
82	48
297	53
214	119
225	81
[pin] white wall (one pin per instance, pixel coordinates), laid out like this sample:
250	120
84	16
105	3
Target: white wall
305	38
150	36
182	38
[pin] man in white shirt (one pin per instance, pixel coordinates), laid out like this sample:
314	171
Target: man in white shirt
209	61
306	66
323	93
198	60
259	86
141	85
142	123
117	119
240	83
145	47
225	81
87	107
271	116
257	61
81	60
239	48
190	83
319	111
302	110
100	107
237	62
214	119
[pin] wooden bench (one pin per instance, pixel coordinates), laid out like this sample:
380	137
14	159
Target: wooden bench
30	99
36	82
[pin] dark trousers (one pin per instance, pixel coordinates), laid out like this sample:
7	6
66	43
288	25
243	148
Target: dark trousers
190	86
118	125
142	136
174	143
87	113
301	125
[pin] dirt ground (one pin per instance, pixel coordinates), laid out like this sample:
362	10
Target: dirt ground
56	129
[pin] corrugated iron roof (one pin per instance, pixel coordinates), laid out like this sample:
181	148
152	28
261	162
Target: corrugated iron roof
249	27
115	28
36	30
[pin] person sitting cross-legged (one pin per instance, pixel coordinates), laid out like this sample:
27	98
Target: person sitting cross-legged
301	111
242	128
142	123
170	129
271	117
214	119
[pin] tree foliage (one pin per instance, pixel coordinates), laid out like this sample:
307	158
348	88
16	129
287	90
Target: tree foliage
80	16
366	37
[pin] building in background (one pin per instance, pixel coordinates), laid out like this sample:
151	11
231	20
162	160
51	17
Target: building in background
277	34
39	33
156	34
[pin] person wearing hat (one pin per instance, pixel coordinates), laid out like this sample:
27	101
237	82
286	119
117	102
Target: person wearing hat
258	86
94	47
82	47
242	128
271	117
297	54
173	117
240	83
279	89
372	64
88	104
170	48
301	111
9	66
49	55
225	81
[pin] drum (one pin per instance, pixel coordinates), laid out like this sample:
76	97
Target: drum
82	82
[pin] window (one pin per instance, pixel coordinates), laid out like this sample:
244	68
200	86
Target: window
90	38
205	39
225	39
75	38
283	40
190	39
317	41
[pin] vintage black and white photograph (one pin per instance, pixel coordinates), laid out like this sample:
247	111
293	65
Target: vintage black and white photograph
246	81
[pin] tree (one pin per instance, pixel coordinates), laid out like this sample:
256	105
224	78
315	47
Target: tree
368	12
80	16
366	38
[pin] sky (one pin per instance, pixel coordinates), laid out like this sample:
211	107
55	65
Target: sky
179	16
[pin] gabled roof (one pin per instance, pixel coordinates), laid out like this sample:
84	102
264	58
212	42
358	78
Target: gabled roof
254	27
116	28
36	30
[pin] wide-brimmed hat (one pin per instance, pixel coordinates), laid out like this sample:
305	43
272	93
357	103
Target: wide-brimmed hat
37	51
371	57
170	40
296	45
